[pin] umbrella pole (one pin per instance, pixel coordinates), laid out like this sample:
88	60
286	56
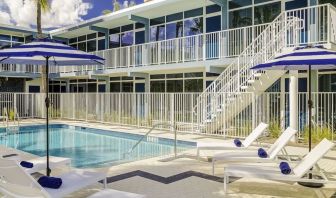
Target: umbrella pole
47	104
310	108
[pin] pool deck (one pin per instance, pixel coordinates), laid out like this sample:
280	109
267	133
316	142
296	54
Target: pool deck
186	176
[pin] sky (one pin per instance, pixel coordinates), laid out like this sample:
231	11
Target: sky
61	13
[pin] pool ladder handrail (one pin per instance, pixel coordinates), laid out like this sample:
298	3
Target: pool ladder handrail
151	129
4	117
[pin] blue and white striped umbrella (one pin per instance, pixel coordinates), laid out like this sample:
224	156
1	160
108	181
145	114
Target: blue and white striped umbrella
303	58
300	59
36	52
49	53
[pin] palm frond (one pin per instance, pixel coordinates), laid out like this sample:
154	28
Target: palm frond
44	5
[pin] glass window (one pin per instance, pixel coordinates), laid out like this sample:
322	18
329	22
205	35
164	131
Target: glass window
213	24
4	44
140	37
5	37
126	28
157	21
158	76
157	33
174	17
115	79
92	46
127	39
240	18
193	26
17	39
294	4
327	83
114	30
16	44
115	87
193	75
266	13
174	85
174	30
193	85
101	44
139	25
157	86
126	78
193	13
114	41
213	8
91	36
74	46
239	3
260	1
82	46
127	87
174	75
73	40
100	34
92	87
82	38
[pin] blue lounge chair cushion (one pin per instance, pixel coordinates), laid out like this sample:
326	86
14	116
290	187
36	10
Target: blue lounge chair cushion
237	142
26	164
285	168
262	153
50	182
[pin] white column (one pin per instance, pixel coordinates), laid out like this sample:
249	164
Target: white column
293	101
147	84
107	85
282	104
67	86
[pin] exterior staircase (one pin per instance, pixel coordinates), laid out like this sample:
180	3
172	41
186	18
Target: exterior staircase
238	86
231	93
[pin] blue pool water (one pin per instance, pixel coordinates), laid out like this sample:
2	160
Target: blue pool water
89	147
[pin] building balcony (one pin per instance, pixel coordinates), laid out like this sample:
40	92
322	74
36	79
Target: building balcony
215	49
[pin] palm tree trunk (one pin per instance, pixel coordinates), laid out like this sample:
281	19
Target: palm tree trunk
38	19
40	35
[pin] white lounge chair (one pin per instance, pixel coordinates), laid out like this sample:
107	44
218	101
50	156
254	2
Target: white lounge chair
273	172
15	182
250	156
229	145
40	163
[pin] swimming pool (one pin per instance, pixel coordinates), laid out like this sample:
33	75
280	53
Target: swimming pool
89	147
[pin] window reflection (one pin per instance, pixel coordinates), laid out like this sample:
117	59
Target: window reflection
213	24
114	40
193	26
240	18
157	33
91	46
174	30
127	38
266	13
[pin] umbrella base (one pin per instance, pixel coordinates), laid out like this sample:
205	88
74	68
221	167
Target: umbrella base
310	184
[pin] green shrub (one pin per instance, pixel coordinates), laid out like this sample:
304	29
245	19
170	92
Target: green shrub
318	134
274	129
11	115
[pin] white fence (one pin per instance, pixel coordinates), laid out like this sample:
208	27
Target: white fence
147	109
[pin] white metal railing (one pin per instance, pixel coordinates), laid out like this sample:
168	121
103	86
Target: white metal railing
289	29
209	46
34	69
332	24
149	109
